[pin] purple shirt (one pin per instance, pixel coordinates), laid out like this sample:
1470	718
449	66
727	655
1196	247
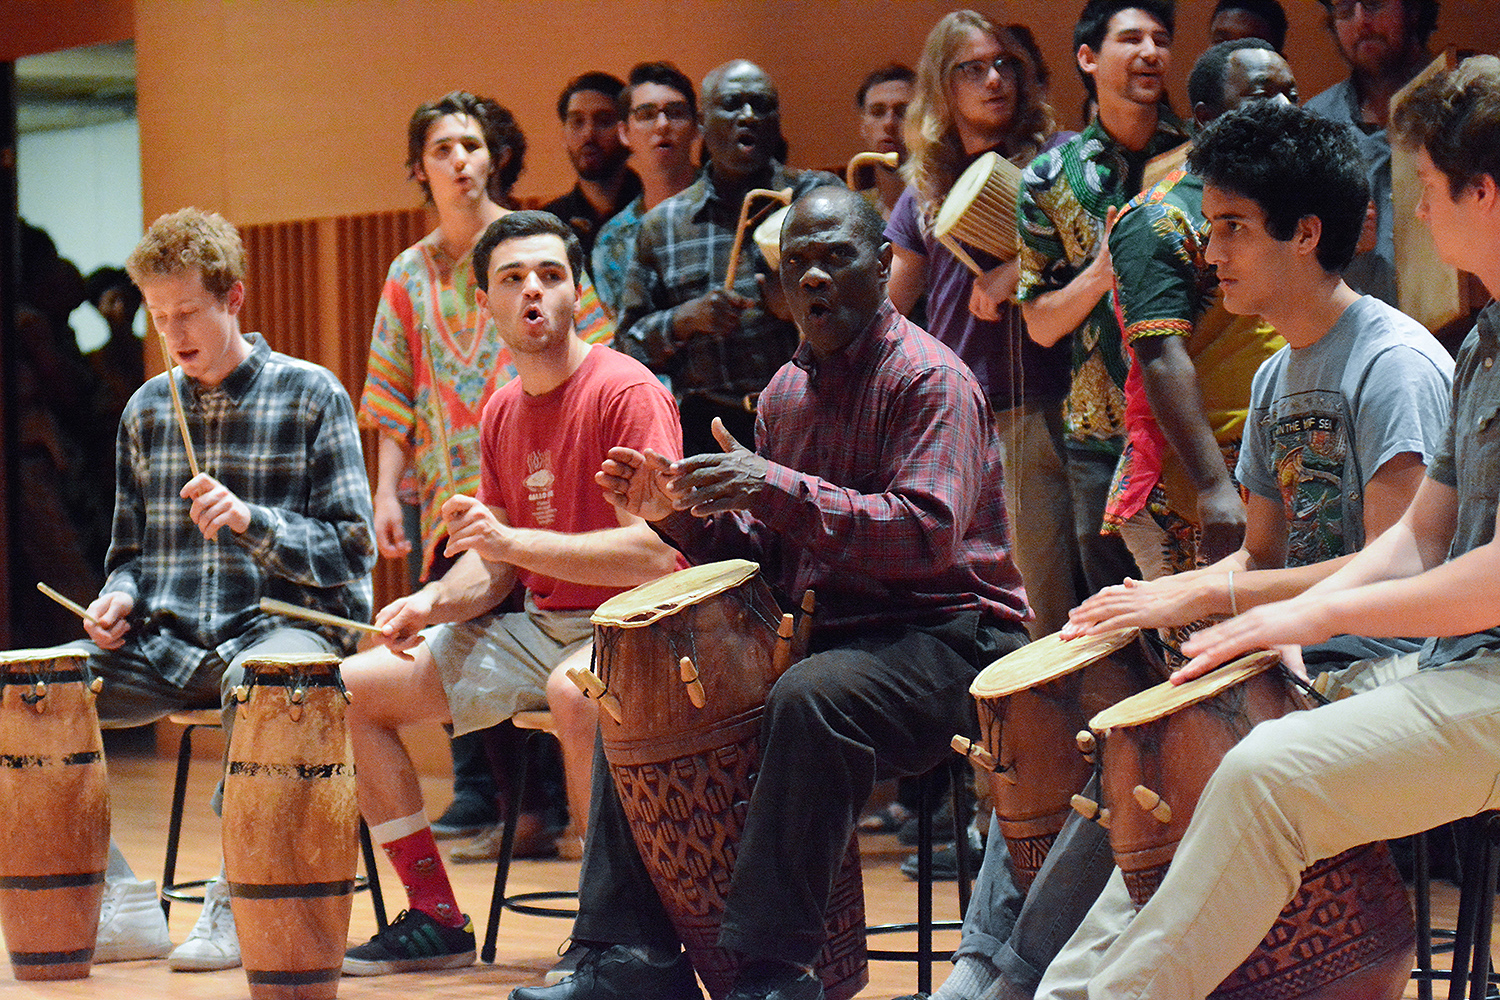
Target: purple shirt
884	490
1010	366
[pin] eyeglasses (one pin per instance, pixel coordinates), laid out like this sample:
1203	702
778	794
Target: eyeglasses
1343	10
978	70
677	112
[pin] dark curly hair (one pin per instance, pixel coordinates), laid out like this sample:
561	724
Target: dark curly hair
501	133
1293	164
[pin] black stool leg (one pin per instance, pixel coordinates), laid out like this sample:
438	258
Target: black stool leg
1484	911
174	822
1422	893
924	883
507	846
372	878
959	773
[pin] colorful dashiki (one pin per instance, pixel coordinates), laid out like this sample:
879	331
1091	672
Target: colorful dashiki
431	370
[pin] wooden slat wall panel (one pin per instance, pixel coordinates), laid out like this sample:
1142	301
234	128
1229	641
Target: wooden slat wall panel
312	289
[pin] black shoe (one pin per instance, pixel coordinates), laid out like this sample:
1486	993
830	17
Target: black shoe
468	815
618	973
945	861
775	981
413	942
912	996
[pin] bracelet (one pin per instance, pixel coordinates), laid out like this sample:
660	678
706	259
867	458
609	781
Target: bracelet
1234	606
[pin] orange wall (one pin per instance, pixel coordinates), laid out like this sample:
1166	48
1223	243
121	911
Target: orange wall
272	110
31	27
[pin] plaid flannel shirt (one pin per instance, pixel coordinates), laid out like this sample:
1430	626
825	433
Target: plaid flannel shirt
280	434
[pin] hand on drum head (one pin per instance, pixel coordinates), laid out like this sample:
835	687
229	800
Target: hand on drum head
1285	626
215	506
708	484
110	611
1165	602
637	482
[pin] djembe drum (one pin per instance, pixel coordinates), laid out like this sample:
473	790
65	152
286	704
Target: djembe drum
1348	933
684	665
1031	705
291	826
54	813
980	210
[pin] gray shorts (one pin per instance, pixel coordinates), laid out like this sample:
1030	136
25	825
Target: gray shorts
494	666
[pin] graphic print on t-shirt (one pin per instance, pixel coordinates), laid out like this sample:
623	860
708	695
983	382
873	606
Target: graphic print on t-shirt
1309	447
539	487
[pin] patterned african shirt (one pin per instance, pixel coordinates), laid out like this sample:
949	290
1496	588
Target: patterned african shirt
1065	194
431	369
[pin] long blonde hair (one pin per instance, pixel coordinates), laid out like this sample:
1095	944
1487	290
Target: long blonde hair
936	153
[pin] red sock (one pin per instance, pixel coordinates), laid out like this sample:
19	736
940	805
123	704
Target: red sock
415	858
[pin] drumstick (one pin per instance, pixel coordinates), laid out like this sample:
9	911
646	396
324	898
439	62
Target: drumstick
276	607
888	160
73	606
784	196
182	425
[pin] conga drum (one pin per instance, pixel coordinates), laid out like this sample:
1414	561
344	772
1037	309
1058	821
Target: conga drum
54	813
690	659
1348	933
980	210
291	826
1031	705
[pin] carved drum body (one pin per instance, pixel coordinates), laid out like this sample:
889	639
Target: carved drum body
1347	935
1031	705
54	814
685	664
291	826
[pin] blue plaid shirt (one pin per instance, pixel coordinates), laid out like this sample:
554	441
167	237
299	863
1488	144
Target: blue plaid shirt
280	434
682	252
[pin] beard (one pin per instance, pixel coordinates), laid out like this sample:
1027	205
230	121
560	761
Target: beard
603	167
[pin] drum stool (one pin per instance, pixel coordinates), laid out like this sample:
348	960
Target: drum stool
533	724
192	892
923	955
1471	976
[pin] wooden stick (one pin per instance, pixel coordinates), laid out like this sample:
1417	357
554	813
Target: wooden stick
276	607
804	625
182	425
784	196
72	606
858	161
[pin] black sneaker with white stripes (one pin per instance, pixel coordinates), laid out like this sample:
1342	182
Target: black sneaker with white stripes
413	942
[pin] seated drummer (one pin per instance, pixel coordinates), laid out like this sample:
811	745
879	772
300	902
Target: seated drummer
540	522
877	483
1343	420
1405	756
281	509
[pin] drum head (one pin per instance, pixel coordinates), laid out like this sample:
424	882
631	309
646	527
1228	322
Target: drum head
33	658
961	195
289	662
1167	698
1046	660
651	602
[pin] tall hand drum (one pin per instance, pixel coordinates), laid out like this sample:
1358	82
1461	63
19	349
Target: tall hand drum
291	826
691	658
980	210
1348	933
54	813
1031	705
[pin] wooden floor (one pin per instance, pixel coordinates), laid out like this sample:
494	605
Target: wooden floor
141	797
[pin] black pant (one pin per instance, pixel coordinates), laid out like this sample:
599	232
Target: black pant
861	708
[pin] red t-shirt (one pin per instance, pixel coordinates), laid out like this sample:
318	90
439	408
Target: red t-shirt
539	455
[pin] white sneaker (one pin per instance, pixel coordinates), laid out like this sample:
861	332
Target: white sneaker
131	924
213	944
